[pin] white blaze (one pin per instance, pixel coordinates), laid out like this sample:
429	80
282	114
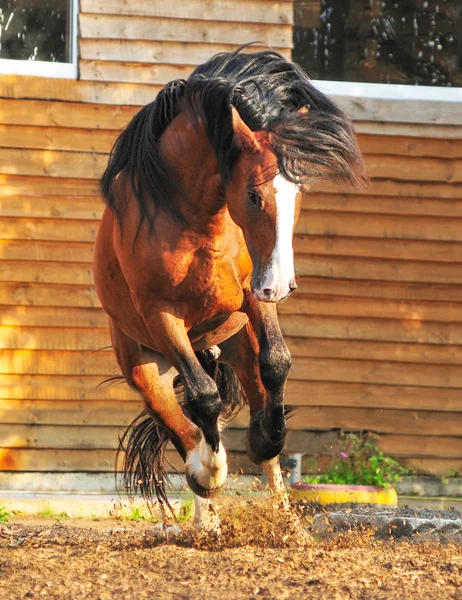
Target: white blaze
280	271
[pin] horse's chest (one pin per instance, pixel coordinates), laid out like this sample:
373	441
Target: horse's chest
218	288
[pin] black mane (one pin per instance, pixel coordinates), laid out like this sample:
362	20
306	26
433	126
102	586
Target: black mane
267	90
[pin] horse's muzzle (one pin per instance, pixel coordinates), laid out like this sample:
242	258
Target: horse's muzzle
276	293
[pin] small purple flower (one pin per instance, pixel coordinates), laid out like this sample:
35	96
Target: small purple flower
343	454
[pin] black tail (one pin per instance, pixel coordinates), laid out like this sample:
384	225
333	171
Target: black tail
144	441
144	469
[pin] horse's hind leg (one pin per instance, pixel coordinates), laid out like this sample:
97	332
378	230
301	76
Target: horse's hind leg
198	439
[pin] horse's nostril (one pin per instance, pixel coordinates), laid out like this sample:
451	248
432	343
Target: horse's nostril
268	292
292	286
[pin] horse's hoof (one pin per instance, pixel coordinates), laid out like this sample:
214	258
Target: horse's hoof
200	490
206	470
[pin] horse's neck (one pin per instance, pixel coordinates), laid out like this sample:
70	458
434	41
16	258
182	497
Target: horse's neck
190	156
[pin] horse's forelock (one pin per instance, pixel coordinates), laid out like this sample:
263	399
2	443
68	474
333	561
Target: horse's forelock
268	90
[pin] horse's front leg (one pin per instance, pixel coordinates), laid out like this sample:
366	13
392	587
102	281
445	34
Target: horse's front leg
261	361
206	465
268	427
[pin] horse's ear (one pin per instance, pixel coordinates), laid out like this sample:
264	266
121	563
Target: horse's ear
245	136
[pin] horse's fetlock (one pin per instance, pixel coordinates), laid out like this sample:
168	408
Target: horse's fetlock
266	435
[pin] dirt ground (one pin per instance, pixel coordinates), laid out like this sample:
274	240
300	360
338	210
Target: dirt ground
261	554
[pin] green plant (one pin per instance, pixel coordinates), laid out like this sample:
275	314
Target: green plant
355	459
185	512
49	513
4	514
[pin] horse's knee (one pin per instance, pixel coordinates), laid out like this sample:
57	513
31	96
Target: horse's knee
275	363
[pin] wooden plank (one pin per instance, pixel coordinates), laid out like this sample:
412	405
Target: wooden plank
367	350
28	87
387	205
54	362
44	113
129	72
50	163
63	387
428	131
107	437
345	267
49	338
359	395
308	442
390	187
177	53
416	146
107	412
380	226
72	230
405	422
369	307
378	289
56	460
20	185
439	467
263	11
43	250
182	30
14	459
372	329
377	372
51	316
46	272
376	408
70	90
413	111
57	138
64	437
405	168
36	294
420	446
378	248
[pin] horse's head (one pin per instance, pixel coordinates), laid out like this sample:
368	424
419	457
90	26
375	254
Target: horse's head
266	206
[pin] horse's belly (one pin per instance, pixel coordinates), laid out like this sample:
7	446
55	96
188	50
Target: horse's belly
214	331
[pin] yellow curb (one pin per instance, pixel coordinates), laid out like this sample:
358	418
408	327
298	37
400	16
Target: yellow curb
344	494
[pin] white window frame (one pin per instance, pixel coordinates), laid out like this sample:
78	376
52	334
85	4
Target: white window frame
389	91
41	68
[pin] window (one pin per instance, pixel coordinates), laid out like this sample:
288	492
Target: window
38	37
382	48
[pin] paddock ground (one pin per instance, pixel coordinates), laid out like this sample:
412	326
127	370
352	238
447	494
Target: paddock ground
261	554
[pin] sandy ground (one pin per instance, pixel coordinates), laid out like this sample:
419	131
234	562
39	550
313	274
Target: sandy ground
262	553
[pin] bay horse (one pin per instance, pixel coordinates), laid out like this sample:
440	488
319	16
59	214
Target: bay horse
203	191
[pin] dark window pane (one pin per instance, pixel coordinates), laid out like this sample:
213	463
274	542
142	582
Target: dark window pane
36	30
416	42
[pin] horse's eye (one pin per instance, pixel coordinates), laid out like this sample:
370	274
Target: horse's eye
255	198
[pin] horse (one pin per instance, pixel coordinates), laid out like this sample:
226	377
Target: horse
195	249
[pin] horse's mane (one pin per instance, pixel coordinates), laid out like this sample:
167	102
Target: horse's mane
267	90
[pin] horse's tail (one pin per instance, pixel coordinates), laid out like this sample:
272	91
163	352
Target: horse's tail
143	443
144	466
